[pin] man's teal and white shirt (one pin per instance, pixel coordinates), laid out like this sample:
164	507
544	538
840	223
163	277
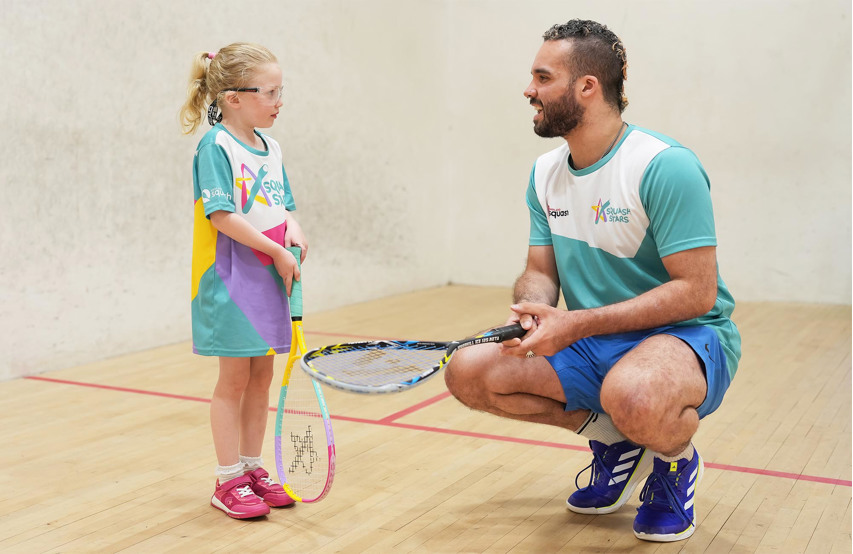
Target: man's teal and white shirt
610	224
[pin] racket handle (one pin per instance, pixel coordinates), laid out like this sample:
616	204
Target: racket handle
507	332
296	286
498	334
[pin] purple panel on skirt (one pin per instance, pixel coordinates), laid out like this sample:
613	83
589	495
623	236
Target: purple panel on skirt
255	291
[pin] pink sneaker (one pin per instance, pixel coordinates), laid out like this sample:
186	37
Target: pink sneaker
236	499
271	492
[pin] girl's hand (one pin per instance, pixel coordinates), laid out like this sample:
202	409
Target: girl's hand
294	236
240	230
286	266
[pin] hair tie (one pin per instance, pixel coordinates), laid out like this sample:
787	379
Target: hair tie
211	55
214	114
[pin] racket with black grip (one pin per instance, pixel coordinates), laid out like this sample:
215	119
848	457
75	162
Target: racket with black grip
385	366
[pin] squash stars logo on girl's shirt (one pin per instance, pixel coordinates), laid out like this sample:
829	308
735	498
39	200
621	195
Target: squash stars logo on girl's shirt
260	189
248	198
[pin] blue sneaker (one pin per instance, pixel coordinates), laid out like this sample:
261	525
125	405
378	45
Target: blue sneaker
616	471
667	513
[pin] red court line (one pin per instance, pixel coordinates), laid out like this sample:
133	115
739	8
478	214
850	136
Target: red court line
415	408
120	389
390	422
782	474
457	432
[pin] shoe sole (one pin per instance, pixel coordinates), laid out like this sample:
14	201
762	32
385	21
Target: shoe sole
643	469
236	515
687	533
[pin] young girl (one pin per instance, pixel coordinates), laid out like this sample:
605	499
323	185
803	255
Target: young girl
241	272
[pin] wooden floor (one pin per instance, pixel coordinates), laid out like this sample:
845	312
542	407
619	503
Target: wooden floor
117	456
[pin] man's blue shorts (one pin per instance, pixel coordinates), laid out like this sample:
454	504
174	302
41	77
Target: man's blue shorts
582	366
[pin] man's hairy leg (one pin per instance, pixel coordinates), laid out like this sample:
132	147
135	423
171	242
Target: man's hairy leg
652	394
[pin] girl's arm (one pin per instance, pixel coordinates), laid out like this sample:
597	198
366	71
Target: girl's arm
240	230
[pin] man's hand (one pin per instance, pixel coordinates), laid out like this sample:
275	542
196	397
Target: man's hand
549	330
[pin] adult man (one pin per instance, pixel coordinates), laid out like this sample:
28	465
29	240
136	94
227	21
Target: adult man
622	224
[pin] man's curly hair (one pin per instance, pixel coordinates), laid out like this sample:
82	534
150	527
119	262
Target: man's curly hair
596	51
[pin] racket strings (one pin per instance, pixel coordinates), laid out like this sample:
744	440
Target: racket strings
304	446
373	364
304	454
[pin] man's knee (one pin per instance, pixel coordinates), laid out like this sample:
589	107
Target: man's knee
457	372
646	412
640	408
629	408
463	377
451	379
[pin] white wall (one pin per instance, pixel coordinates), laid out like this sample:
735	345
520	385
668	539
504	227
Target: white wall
407	141
97	177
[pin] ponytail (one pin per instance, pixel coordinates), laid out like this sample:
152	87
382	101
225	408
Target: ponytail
198	94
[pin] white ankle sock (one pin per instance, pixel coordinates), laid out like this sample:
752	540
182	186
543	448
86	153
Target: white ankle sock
599	427
250	463
687	454
226	473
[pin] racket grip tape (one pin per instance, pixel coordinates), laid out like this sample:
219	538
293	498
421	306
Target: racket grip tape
296	286
508	332
498	334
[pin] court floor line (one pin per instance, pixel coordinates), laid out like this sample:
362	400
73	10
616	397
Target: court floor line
391	421
414	408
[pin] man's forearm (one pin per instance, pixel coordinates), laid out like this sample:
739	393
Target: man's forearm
536	287
666	304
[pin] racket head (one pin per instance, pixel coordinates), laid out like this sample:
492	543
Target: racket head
304	461
375	367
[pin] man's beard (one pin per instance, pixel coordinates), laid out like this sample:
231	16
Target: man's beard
560	118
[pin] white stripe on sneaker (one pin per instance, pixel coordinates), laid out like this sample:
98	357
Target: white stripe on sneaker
691	488
630	454
623	467
617	479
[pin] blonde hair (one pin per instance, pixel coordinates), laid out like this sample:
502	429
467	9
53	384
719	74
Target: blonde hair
214	73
